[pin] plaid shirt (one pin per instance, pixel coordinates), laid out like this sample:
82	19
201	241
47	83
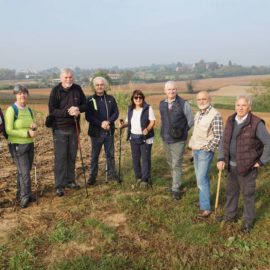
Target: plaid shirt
216	126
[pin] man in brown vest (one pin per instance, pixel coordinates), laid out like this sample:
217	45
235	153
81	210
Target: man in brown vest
245	147
207	132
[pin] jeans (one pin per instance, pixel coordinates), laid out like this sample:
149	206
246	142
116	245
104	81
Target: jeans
23	156
247	185
108	142
65	152
141	159
174	153
202	162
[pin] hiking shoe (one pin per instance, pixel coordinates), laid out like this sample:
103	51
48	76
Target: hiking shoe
24	202
144	184
59	192
246	227
204	213
32	198
226	219
73	185
176	195
91	181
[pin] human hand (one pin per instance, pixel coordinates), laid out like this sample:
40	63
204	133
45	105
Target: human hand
221	165
73	111
145	131
256	165
105	125
33	126
32	133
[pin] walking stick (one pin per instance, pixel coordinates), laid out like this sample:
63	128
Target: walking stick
218	189
120	151
80	150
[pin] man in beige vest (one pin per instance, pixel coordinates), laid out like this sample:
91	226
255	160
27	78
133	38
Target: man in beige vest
207	132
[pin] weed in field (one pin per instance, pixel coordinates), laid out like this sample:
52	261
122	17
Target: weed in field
63	233
107	232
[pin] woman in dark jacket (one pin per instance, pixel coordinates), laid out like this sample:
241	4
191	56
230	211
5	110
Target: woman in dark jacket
140	121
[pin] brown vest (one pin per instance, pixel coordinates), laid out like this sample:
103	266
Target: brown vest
249	147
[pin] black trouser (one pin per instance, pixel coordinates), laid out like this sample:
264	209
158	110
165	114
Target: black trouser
141	158
65	152
23	156
247	185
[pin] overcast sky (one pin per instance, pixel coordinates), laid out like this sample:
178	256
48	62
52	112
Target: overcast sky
39	34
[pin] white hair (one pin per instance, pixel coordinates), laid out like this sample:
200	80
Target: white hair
169	83
65	71
99	78
246	98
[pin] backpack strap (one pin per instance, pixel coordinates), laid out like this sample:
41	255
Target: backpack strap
16	111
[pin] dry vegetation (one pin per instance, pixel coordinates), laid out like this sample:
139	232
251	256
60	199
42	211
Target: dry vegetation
121	226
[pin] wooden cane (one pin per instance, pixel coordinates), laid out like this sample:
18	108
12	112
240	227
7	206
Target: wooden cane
218	188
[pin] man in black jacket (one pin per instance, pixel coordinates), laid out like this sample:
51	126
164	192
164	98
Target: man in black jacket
101	113
66	102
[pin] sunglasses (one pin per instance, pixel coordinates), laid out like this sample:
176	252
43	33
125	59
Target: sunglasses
138	97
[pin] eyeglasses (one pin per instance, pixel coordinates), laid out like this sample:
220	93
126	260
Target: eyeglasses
138	97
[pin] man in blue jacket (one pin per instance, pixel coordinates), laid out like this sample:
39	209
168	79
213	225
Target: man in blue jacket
176	120
101	113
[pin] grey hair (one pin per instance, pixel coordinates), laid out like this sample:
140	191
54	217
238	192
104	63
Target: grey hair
247	98
169	83
99	78
66	70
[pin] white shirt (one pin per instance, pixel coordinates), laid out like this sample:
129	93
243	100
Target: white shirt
136	122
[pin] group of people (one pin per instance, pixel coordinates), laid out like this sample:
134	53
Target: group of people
243	146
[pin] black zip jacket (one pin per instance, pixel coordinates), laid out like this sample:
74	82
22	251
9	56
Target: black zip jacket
61	100
99	109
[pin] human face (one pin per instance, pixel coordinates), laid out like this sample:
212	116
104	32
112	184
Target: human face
242	108
99	87
171	91
138	100
66	79
21	98
203	100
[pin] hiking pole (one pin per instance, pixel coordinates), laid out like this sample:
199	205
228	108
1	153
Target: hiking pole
80	150
35	168
218	189
120	151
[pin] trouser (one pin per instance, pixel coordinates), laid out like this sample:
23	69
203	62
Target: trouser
108	142
23	156
141	159
202	163
247	185
65	152
174	153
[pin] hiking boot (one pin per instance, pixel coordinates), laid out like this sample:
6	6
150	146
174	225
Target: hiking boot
226	219
59	192
24	202
246	227
204	213
176	195
73	185
91	181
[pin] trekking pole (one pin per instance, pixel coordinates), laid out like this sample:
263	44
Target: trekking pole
35	170
120	151
35	166
218	189
80	150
